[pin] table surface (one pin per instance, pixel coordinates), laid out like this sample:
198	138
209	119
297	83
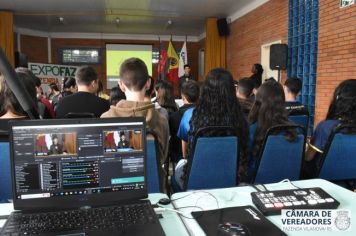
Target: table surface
187	202
171	223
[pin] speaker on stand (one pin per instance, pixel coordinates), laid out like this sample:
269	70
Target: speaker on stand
278	58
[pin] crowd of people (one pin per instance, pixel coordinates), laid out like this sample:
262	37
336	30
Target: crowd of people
250	106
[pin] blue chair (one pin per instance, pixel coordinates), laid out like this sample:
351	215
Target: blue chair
338	162
302	120
5	169
279	158
154	171
214	163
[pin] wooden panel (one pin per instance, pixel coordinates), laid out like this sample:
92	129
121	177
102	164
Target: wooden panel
7	35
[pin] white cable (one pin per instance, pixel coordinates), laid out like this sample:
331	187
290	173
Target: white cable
162	209
285	180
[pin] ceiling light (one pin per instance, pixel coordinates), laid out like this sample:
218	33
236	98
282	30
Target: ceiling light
61	19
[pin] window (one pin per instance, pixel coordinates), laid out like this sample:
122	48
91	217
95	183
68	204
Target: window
80	55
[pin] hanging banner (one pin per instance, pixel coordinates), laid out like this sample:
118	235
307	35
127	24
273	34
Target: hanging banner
52	70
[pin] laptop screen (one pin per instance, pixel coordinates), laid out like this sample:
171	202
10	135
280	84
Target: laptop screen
85	162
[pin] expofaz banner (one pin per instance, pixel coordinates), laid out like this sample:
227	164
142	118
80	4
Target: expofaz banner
52	70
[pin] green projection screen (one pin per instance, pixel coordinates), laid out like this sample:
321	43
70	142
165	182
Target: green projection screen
117	53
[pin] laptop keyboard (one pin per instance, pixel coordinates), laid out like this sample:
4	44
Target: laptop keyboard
102	218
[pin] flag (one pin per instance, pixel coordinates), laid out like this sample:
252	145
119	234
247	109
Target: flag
161	68
183	59
173	60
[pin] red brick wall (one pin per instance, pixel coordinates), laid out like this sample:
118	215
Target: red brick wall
35	48
265	24
336	51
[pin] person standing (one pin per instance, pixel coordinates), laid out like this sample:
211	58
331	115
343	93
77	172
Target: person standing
256	76
187	76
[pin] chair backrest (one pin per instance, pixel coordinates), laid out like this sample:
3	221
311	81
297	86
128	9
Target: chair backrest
154	172
214	163
302	120
338	161
5	169
279	158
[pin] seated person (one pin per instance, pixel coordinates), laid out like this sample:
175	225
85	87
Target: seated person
54	95
267	111
342	110
292	88
123	143
55	148
85	100
148	97
116	95
69	86
45	108
164	96
190	95
100	92
10	107
217	106
134	81
244	89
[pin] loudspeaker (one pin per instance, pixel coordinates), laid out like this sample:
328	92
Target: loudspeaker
278	56
223	27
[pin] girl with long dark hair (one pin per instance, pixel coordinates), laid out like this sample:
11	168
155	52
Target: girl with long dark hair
267	111
217	106
164	96
342	110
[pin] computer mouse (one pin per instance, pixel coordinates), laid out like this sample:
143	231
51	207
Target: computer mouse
164	201
232	229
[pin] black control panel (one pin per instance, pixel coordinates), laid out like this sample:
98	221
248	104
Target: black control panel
272	202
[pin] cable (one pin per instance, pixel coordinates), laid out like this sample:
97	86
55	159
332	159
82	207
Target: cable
196	203
161	209
288	181
195	192
191	193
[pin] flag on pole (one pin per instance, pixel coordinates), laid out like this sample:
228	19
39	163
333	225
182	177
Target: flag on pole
172	74
183	59
161	68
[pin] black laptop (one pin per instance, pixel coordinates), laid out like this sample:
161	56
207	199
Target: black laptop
73	177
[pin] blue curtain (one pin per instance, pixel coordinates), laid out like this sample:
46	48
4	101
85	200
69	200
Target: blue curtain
303	26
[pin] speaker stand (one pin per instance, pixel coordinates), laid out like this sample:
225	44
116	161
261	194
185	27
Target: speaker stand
279	75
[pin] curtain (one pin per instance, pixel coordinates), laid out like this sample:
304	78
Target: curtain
215	47
7	35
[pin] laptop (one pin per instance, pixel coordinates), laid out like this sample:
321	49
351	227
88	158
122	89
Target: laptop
72	177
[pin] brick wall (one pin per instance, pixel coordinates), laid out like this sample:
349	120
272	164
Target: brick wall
336	51
36	50
265	24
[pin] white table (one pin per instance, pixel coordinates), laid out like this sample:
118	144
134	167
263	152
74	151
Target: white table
240	196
